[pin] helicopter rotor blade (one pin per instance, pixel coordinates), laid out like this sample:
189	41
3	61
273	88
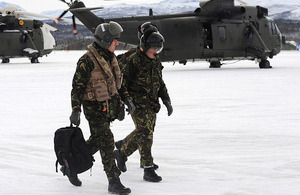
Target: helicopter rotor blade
60	17
24	13
74	26
85	9
64	13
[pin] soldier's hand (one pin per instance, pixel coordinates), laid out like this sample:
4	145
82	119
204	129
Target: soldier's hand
169	107
121	114
130	106
75	118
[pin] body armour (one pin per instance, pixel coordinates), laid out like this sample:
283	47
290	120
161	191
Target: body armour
105	79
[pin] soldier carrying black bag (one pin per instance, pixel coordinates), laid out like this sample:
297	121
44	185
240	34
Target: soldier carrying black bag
95	86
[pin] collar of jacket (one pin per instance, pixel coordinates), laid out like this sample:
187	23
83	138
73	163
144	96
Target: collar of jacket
105	53
145	56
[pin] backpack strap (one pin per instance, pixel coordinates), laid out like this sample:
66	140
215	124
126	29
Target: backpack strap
56	164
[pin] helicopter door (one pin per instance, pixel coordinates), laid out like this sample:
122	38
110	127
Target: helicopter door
228	39
207	36
183	38
10	39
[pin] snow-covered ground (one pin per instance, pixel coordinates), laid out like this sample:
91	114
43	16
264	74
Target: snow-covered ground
234	130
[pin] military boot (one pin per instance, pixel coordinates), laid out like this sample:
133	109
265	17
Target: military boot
71	175
119	144
150	175
155	166
116	187
121	160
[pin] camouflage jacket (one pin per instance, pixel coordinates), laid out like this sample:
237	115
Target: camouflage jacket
122	58
81	78
143	82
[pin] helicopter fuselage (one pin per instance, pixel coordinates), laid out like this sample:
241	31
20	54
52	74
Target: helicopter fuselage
196	36
24	38
217	30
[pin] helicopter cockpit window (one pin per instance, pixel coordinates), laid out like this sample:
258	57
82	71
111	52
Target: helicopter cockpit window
222	33
273	28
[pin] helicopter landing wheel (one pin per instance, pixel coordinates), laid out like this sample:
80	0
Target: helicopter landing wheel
215	64
5	60
34	60
264	64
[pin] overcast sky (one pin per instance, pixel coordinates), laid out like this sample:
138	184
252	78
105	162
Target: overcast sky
39	6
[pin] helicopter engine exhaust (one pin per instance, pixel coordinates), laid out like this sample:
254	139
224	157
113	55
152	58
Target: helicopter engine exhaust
231	12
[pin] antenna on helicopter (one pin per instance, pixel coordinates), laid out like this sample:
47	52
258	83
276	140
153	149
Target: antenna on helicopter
150	12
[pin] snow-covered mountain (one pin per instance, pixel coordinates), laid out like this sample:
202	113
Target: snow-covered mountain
288	9
164	7
273	2
278	9
4	4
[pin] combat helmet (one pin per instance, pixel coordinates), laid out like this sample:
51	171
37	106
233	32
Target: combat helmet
105	33
147	26
152	40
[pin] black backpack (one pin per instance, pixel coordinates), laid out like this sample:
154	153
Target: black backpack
71	150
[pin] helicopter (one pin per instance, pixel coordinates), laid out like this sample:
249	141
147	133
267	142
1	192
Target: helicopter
21	36
216	31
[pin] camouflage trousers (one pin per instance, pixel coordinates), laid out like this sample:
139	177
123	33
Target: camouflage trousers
101	139
142	137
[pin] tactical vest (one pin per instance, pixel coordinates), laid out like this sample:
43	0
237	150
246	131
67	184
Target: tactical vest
105	79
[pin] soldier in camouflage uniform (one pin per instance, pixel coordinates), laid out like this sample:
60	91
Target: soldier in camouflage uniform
95	86
141	88
147	27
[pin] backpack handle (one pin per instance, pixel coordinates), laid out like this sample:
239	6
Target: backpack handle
71	125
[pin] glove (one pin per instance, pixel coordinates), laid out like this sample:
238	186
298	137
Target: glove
169	107
75	118
121	114
130	106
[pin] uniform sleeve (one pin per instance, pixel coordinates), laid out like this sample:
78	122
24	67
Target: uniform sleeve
163	91
121	61
80	80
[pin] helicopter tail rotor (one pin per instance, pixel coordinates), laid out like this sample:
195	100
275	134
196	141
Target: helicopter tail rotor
64	13
73	9
74	26
60	17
